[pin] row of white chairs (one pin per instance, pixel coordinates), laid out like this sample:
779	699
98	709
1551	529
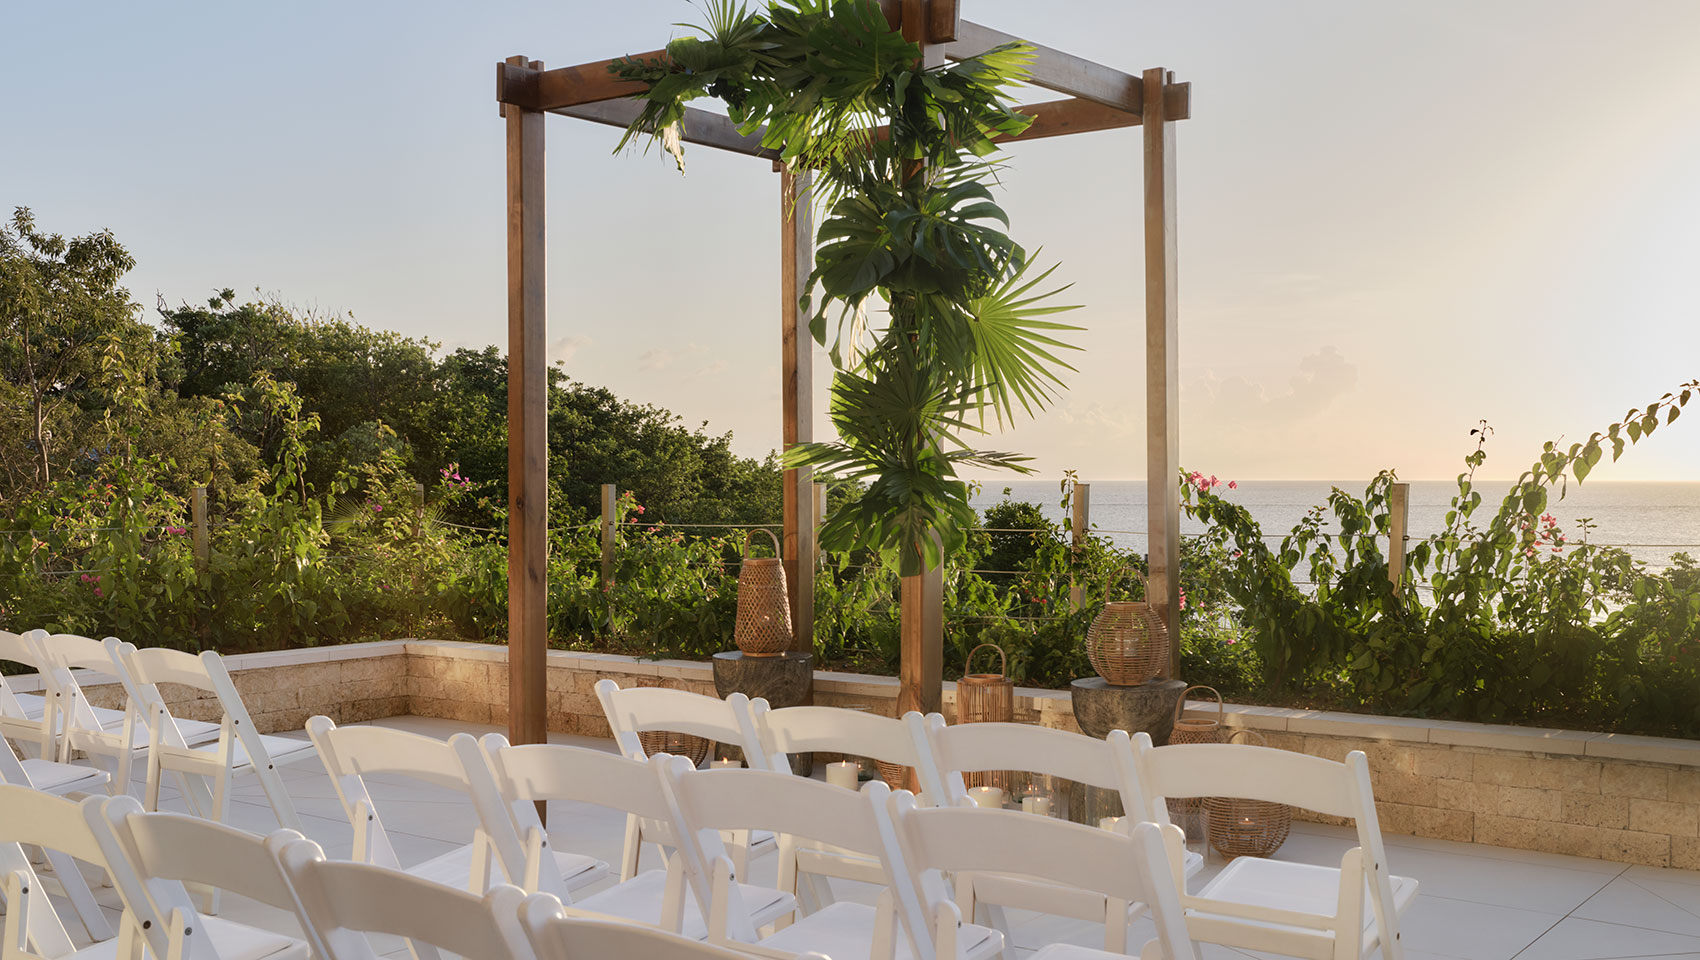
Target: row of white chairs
1291	908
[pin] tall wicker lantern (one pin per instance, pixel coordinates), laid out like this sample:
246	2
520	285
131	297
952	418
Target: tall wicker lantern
987	698
1247	828
1127	642
763	627
1188	812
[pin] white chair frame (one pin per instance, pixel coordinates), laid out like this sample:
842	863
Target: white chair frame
705	803
556	935
1118	869
1241	906
793	730
33	930
636	710
59	779
152	856
526	775
352	753
1106	764
342	902
27	718
240	747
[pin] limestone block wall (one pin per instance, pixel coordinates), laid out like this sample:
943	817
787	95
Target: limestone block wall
1623	798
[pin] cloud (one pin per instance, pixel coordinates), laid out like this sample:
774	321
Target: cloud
656	359
564	349
1322	378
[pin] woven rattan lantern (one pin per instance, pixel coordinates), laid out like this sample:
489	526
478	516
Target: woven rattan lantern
1247	828
687	745
1188	812
1127	642
986	698
763	627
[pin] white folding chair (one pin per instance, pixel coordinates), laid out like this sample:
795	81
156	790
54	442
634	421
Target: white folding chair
59	779
33	929
638	710
240	747
1117	869
153	855
1275	906
110	738
351	754
344	902
799	810
1105	764
555	936
794	730
529	774
27	718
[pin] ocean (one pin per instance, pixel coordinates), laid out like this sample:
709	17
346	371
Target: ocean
1650	520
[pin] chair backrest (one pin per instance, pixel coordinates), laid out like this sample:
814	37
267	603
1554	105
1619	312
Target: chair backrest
522	776
1245	771
943	840
17	720
979	747
151	856
64	652
352	753
31	817
554	936
704	803
342	902
636	710
793	730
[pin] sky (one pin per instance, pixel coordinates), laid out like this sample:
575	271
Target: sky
1395	220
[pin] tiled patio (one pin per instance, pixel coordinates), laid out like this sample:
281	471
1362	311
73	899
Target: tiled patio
1476	902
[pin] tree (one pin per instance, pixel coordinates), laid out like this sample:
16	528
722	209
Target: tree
63	311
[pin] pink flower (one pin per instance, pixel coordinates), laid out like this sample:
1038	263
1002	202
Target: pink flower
84	578
98	593
1233	485
1213	480
377	508
640	508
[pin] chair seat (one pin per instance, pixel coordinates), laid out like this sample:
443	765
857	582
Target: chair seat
846	930
280	749
34	705
1298	887
230	940
454	869
50	776
1071	902
639	899
1069	951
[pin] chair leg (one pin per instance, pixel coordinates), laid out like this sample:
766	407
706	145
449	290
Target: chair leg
82	899
281	803
632	850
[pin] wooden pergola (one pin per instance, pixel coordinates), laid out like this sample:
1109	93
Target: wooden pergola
1095	97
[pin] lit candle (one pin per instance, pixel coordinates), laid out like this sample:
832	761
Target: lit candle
1112	824
990	797
843	774
725	764
1038	805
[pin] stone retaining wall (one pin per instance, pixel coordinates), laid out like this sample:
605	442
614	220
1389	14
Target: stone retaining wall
1623	798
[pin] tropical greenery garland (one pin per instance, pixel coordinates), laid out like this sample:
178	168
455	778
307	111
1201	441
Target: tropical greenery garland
903	160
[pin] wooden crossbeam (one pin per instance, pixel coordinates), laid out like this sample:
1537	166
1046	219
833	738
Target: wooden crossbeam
700	126
1067	73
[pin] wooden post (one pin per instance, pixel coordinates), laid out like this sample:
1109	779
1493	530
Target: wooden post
198	523
418	510
1398	526
920	675
796	392
528	440
610	506
1080	524
1162	366
819	497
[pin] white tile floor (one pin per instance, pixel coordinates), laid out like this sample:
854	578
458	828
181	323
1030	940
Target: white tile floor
1476	902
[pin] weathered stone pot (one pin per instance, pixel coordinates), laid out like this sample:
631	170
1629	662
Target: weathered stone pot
1100	706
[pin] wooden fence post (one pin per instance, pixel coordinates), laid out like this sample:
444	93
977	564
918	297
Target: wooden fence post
609	499
1398	527
198	522
1080	523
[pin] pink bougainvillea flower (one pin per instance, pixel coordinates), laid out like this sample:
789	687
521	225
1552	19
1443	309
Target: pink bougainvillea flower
98	593
377	508
84	578
1233	485
640	508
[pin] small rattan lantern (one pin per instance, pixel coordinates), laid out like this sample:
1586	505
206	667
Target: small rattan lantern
895	775
1188	812
986	698
1127	642
763	627
1247	828
687	745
